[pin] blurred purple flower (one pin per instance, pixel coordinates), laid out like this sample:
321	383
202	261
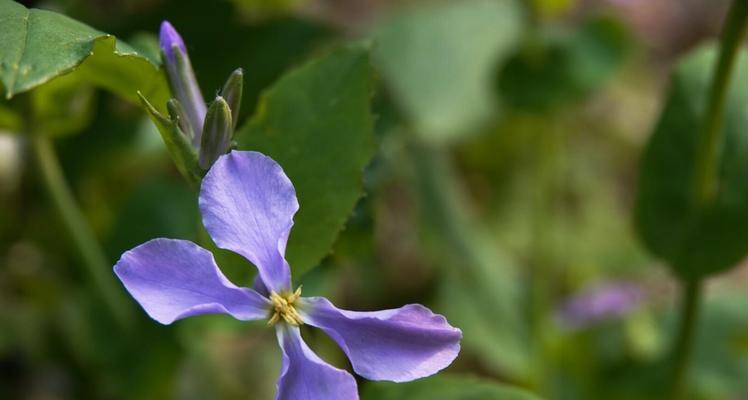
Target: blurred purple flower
182	80
248	204
600	302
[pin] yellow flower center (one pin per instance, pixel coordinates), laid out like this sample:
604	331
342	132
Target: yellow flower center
283	307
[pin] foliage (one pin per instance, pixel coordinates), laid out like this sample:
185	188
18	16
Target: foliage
695	242
40	45
438	62
563	67
323	148
482	157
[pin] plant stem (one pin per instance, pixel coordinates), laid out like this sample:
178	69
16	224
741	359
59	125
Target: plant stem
711	130
684	346
92	255
705	184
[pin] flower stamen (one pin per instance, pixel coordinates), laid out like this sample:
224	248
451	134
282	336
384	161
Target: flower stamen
283	307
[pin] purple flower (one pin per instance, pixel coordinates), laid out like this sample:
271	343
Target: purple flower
600	302
168	37
248	204
183	82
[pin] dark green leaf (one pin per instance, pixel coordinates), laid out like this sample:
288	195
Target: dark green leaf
445	387
438	62
705	241
40	45
564	66
317	124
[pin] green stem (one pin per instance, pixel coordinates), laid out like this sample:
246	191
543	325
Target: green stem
92	255
705	183
711	131
684	346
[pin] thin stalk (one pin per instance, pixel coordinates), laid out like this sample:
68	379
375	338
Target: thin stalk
710	136
98	268
705	183
687	331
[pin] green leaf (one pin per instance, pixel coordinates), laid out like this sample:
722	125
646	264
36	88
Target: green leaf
709	240
445	387
40	45
316	123
438	62
564	66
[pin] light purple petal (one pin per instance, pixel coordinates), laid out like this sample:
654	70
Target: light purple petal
168	37
174	279
304	376
397	345
182	80
248	204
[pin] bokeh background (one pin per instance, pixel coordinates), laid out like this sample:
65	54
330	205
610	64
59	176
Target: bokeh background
501	195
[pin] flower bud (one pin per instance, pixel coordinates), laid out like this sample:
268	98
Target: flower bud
232	93
169	37
177	143
177	114
217	131
182	79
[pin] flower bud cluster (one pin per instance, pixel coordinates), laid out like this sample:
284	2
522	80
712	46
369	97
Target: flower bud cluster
209	129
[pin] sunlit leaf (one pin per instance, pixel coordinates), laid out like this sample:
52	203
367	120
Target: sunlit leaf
439	61
40	45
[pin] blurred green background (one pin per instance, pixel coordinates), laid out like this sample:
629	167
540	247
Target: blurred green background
508	140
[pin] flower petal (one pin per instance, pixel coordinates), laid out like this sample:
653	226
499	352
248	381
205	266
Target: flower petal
397	345
169	37
304	376
173	279
248	204
182	80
